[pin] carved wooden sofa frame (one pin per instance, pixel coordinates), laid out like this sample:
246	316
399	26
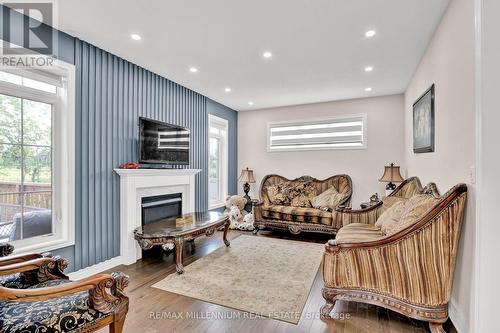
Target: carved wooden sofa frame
295	228
105	290
377	271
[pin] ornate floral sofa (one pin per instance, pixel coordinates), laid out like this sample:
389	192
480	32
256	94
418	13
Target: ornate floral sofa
298	219
36	296
408	269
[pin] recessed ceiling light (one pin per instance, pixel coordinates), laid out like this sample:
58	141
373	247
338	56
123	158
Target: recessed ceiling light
250	103
368	89
135	37
370	33
227	89
193	69
368	68
267	54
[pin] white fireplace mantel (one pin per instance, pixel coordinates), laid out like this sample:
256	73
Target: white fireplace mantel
138	183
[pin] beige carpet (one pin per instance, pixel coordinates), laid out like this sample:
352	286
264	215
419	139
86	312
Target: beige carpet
264	276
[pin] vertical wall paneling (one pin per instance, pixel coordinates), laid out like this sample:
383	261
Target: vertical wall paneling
111	95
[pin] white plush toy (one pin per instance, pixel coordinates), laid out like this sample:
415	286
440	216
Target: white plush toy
234	217
247	222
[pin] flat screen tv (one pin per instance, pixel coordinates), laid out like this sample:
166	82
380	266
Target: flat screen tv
163	143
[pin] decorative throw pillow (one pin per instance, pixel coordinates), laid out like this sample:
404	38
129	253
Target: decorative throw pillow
272	192
301	193
415	207
277	195
391	217
387	203
296	194
329	198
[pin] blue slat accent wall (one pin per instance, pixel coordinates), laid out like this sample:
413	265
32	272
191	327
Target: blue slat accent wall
112	94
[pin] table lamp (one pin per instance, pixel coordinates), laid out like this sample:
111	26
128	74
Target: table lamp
391	174
247	177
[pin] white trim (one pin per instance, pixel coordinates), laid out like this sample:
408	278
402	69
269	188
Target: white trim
97	268
364	145
225	160
63	158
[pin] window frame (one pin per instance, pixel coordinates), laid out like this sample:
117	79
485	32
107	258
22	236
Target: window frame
63	158
223	186
363	118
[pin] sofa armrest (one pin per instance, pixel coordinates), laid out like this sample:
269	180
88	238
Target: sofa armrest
367	215
37	270
105	290
13	259
257	210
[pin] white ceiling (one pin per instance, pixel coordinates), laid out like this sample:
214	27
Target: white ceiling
319	48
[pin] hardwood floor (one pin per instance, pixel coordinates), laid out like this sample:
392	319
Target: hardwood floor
153	310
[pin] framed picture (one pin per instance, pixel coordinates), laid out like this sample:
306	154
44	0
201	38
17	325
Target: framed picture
423	122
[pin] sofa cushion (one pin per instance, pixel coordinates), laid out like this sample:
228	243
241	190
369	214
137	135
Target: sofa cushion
275	195
356	232
327	199
294	193
70	313
16	281
391	217
302	194
388	202
414	208
392	208
297	214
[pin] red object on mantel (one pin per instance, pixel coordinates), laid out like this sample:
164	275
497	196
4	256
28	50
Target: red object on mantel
130	166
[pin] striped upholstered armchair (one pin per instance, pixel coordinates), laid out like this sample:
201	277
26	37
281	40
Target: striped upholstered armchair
409	266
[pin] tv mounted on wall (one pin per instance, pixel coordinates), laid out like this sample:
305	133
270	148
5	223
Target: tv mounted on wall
163	143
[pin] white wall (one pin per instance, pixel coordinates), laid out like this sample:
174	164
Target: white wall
385	144
449	63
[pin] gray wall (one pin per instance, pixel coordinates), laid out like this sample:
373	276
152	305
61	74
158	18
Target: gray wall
111	94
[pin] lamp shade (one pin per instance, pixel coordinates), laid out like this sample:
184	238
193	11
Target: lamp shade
247	176
391	174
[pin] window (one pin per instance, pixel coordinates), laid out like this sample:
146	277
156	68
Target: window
217	161
333	133
37	157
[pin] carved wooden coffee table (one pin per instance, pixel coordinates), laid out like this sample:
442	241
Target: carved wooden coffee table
175	231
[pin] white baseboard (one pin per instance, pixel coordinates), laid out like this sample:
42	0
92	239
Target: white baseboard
97	268
457	318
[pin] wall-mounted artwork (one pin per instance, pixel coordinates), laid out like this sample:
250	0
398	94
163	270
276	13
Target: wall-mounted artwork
423	122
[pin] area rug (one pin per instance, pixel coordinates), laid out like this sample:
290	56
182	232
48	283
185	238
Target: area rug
264	276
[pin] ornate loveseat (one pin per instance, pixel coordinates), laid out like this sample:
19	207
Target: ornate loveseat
36	296
409	270
298	219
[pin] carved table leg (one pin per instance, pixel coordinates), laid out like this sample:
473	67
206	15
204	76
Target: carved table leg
436	328
179	242
224	236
